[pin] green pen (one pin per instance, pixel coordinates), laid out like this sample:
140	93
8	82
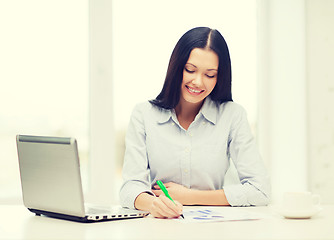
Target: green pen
163	188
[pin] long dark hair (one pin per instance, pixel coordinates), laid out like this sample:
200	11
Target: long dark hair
200	37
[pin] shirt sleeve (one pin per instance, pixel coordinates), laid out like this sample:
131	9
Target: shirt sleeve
136	173
254	187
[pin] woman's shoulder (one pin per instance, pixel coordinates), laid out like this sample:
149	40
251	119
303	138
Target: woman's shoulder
148	109
143	106
231	113
231	108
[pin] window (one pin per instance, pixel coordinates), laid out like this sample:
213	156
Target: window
44	79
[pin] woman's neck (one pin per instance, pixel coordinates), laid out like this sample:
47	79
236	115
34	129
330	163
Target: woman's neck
186	112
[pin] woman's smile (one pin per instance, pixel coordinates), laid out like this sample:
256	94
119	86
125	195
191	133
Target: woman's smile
194	91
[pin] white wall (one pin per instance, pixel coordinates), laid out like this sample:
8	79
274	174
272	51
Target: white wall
282	95
320	84
296	86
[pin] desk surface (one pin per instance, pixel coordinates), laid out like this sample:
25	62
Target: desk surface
16	222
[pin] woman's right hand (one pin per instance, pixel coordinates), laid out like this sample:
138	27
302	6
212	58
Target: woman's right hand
159	207
163	207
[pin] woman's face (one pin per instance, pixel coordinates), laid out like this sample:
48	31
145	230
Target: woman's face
199	75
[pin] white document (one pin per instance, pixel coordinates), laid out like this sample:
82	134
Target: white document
214	215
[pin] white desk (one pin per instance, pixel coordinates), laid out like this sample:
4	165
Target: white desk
16	222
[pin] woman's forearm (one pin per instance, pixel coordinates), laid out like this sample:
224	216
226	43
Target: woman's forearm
187	196
209	197
144	201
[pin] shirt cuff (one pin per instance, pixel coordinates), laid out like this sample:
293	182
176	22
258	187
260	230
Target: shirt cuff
235	195
244	195
129	193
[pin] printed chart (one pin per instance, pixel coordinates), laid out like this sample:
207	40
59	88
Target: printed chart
208	215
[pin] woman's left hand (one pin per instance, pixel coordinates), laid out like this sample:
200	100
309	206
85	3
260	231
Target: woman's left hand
176	191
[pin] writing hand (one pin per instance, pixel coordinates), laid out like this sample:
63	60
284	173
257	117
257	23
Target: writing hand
163	207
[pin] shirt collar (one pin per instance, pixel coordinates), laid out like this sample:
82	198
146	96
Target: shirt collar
165	115
208	110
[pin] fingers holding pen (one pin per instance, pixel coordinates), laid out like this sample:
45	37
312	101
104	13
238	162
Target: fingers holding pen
162	207
175	206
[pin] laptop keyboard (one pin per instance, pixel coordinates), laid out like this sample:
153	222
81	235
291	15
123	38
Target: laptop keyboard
96	211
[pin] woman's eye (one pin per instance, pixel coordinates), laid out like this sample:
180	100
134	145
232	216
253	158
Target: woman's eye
189	71
210	76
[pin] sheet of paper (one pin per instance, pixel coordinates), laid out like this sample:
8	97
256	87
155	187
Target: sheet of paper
210	215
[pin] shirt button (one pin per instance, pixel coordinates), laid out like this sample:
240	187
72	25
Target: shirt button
173	124
203	123
186	170
187	150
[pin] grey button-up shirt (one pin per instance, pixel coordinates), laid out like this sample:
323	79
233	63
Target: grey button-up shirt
159	148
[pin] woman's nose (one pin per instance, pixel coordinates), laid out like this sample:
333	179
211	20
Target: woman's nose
198	80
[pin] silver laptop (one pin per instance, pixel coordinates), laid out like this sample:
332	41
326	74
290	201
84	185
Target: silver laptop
51	181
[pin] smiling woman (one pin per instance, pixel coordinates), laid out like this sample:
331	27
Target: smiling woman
141	49
193	109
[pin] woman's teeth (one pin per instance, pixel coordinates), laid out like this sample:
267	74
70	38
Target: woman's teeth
193	90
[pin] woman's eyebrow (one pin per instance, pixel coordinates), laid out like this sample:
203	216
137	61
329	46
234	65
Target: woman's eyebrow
191	64
211	69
